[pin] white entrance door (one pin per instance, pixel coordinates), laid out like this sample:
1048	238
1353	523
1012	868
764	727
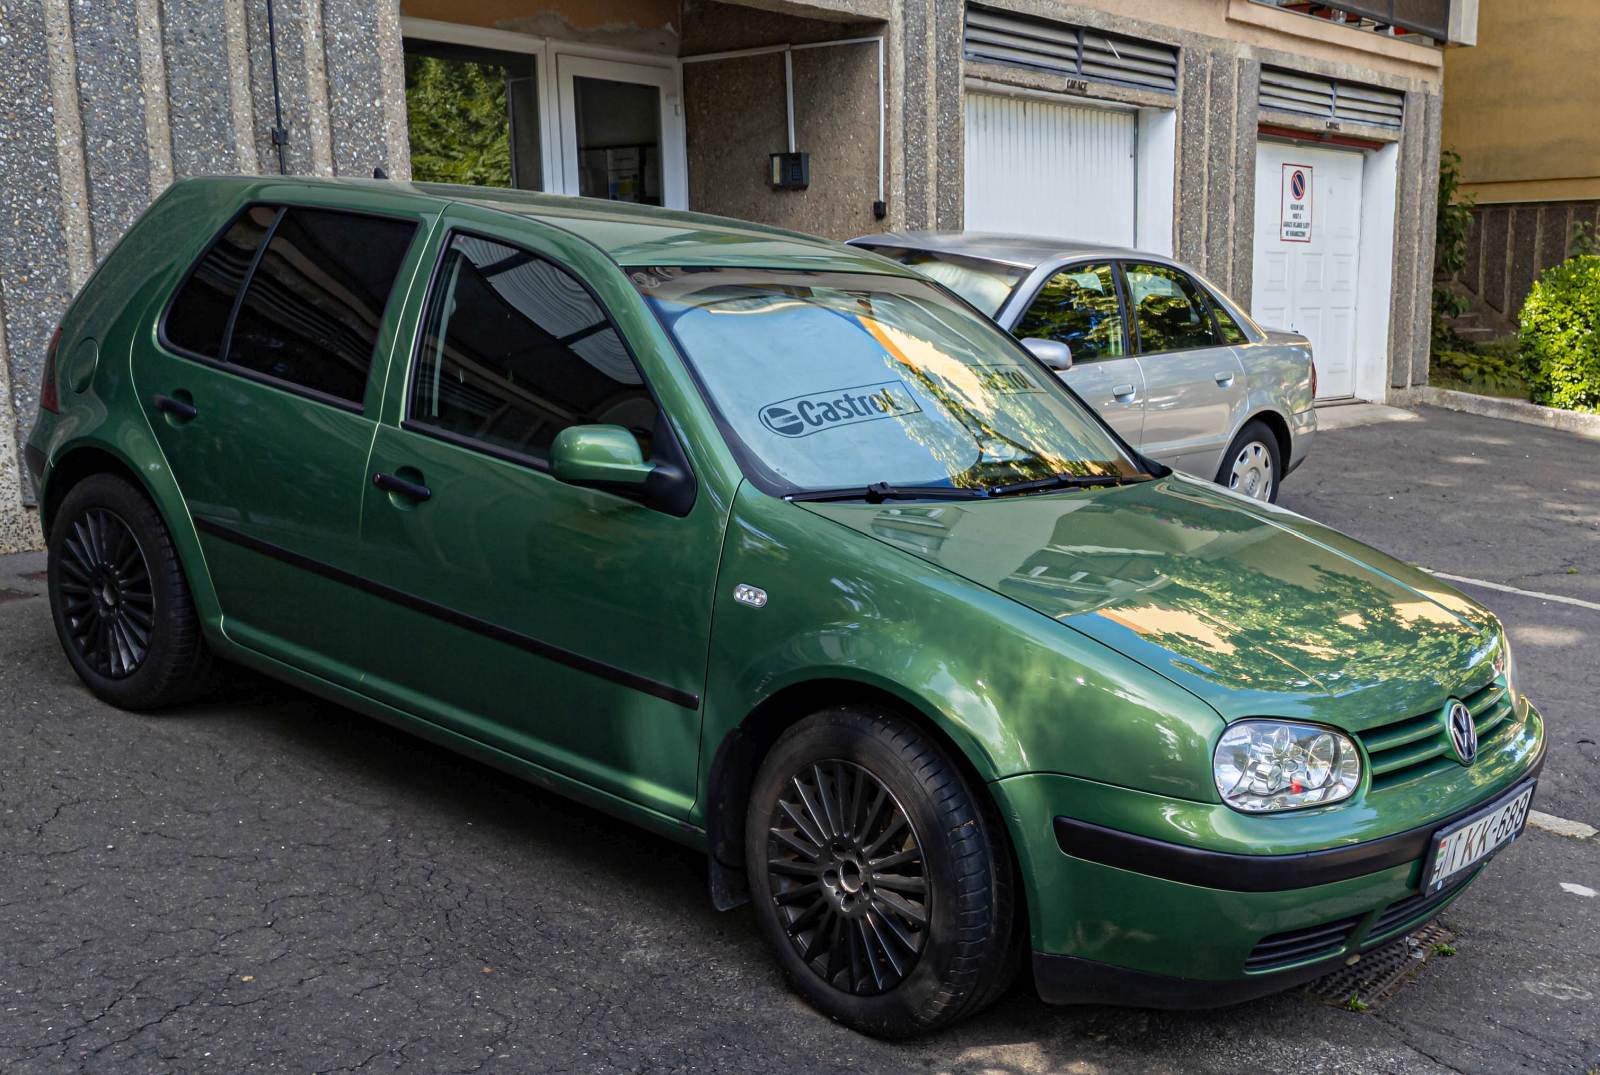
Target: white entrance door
621	132
1039	167
1307	253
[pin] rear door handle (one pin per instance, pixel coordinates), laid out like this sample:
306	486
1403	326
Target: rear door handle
410	490
1224	378
1123	393
176	407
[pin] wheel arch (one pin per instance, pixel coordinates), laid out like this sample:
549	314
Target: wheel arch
77	460
1279	426
742	750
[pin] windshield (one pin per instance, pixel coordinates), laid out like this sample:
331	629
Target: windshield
832	380
985	284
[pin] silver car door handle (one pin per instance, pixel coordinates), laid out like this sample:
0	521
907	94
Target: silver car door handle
1224	378
1123	393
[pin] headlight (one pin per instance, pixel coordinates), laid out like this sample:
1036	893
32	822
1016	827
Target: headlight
1266	765
1505	670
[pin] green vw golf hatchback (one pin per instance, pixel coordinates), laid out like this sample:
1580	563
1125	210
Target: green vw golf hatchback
781	550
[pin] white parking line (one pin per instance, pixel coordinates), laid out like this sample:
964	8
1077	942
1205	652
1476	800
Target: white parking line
1503	588
1560	825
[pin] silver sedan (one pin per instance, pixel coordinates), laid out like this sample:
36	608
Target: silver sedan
1169	361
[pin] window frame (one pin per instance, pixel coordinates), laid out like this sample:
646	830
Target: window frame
1205	301
1129	339
475	444
267	379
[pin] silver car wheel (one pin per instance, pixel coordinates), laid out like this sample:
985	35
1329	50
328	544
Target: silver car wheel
1252	471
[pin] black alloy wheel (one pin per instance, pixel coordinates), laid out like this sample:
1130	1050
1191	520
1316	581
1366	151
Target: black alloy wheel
107	599
120	600
848	878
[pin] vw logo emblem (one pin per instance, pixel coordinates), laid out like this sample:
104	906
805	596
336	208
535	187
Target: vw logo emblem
1463	733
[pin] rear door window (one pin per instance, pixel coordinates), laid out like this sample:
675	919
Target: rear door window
1169	309
305	309
311	313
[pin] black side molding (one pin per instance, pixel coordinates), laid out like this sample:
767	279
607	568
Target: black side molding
526	643
1234	872
33	456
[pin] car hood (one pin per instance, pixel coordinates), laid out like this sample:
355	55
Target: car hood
1254	609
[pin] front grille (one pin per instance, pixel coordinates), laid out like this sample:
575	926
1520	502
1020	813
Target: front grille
1417	746
1414	909
1297	945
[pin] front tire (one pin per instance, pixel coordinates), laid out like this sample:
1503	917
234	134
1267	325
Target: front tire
881	879
121	604
1253	465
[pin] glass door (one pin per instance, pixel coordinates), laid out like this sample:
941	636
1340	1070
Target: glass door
621	131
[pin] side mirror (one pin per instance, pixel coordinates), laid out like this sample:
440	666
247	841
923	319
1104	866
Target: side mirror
1053	353
598	455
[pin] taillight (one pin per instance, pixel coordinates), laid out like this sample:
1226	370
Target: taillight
48	399
1313	380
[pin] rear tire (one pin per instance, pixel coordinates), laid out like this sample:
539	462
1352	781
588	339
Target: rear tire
881	878
121	604
1253	466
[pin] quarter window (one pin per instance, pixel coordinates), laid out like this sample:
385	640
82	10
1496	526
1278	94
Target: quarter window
1078	307
1169	309
1231	332
198	320
312	311
514	350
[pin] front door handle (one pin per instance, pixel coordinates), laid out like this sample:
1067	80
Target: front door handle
390	483
181	409
1224	378
1122	393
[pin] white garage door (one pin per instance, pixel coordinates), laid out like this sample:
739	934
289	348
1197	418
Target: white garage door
1307	252
1041	168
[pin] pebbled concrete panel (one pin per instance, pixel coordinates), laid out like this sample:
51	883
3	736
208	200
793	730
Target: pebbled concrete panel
350	38
1524	253
916	136
1246	120
1496	222
1555	224
949	148
1221	175
1194	86
117	161
34	281
1406	271
289	18
200	111
1427	221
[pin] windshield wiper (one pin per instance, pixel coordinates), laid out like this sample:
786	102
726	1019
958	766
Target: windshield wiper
878	492
1063	481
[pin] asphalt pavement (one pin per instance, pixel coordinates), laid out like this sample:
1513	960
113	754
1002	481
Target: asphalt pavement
266	882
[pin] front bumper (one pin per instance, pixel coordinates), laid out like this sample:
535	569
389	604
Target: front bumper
1122	917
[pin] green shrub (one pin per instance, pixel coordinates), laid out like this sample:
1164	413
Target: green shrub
1492	374
1561	335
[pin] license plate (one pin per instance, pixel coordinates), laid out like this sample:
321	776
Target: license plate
1471	840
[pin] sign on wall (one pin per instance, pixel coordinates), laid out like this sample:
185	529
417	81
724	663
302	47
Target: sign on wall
1295	217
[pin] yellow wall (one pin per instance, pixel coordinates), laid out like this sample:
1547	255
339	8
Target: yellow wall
1521	108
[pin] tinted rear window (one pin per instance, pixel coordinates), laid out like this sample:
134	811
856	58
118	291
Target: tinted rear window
312	311
199	314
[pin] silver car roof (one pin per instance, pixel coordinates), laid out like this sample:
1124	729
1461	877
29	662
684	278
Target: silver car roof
1024	251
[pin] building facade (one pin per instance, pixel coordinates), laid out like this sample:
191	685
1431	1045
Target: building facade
1287	149
1530	158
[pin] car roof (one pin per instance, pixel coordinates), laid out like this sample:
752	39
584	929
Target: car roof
1025	251
646	235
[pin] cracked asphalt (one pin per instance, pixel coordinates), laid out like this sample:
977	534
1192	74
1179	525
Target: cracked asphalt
270	883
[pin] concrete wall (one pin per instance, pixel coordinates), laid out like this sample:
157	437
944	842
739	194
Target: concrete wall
1510	245
108	102
1522	104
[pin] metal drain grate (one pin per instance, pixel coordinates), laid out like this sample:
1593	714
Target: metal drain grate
1382	971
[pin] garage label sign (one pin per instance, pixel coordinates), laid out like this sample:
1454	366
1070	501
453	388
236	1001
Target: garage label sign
1295	219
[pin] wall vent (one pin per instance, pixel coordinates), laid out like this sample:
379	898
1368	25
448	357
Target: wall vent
1075	51
1330	99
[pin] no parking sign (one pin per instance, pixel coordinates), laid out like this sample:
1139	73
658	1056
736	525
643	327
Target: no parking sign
1295	219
